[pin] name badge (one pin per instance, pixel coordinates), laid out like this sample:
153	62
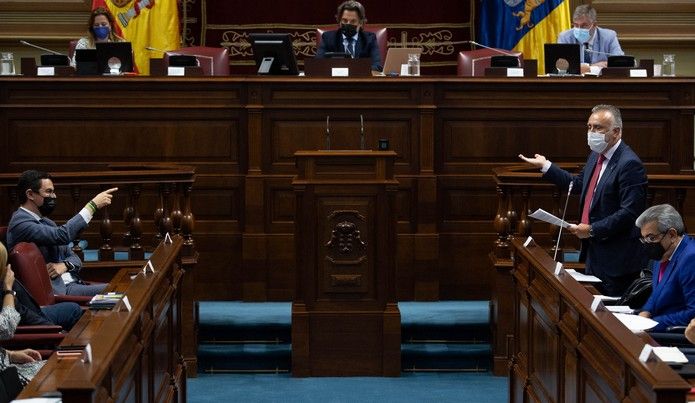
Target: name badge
515	72
45	71
340	72
176	71
638	73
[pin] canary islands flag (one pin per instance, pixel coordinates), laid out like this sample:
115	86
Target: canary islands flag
145	23
523	25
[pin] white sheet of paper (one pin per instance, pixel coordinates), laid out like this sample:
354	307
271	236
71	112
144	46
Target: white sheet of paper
638	73
543	215
340	72
528	242
606	298
620	308
583	278
45	71
636	323
404	70
670	355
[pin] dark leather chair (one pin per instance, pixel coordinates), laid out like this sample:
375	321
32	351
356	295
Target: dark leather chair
380	32
30	268
472	63
213	61
3	235
71	49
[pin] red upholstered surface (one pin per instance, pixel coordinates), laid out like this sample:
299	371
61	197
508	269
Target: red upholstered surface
213	61
439	26
30	268
474	62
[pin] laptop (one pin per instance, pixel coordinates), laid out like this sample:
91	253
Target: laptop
395	57
86	62
114	57
325	67
561	57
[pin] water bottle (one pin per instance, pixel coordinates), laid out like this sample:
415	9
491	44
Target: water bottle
413	64
6	64
668	66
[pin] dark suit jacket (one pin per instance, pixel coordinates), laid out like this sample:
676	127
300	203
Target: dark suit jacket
620	197
672	302
366	46
51	239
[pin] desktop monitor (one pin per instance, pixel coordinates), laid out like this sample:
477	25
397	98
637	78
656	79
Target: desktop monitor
114	57
621	61
562	58
274	54
86	62
54	60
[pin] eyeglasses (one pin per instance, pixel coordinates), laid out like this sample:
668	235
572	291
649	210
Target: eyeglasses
652	238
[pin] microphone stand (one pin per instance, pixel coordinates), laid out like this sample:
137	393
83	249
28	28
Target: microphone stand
328	133
495	49
559	235
40	48
361	132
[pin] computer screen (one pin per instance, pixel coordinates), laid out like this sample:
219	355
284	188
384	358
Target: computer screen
274	54
562	58
114	57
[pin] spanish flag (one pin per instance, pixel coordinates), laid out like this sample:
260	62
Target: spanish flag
523	25
145	23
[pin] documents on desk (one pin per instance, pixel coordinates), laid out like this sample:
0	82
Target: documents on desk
670	355
543	215
636	323
620	309
583	278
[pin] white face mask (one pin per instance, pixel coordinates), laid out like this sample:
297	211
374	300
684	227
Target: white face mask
596	141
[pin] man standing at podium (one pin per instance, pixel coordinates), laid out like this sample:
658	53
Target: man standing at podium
596	43
612	185
351	38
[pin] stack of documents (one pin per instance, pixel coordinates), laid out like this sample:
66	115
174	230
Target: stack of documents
105	301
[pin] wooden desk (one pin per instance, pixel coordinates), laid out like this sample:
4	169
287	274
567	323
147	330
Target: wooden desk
564	352
241	133
136	355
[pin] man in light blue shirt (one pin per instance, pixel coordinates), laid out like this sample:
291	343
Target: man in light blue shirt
596	43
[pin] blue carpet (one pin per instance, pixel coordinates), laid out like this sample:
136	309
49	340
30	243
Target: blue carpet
410	387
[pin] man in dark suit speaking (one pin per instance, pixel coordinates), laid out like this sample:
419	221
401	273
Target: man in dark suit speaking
613	191
351	38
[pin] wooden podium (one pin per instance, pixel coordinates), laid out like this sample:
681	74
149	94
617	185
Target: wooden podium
345	319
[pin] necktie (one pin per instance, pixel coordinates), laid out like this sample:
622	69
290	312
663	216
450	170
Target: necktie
662	269
351	47
591	188
587	54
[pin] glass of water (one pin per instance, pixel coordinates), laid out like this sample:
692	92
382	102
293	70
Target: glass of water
6	64
668	66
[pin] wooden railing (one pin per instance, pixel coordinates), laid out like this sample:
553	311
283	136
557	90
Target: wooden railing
137	352
155	195
170	185
521	190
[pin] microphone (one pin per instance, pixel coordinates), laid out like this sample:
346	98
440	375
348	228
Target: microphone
361	132
41	48
559	235
328	133
494	49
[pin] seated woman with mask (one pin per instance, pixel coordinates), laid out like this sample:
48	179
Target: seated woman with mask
100	29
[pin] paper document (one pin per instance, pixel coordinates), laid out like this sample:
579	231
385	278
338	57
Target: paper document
543	215
606	297
636	323
620	309
583	278
671	355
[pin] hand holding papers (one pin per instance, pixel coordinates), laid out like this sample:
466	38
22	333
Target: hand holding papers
543	215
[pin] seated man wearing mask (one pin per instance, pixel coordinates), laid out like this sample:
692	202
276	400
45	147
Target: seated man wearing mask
596	43
672	255
351	38
31	224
